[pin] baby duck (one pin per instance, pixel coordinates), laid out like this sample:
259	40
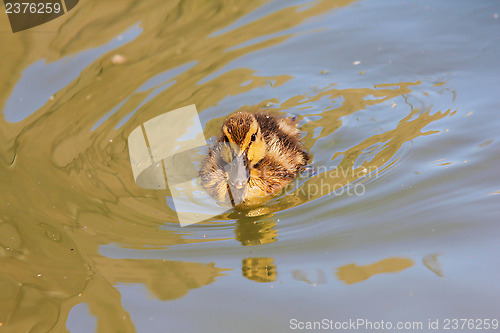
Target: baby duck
255	156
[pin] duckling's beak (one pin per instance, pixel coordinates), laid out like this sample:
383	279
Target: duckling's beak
238	177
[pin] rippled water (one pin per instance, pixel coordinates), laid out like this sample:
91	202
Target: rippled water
397	101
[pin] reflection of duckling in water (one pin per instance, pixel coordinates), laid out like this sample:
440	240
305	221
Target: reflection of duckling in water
259	269
255	231
254	158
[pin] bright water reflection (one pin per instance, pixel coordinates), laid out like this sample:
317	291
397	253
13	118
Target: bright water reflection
396	97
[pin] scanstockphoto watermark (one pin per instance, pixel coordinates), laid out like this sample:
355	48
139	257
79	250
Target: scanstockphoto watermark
319	190
167	150
337	182
360	324
26	14
363	324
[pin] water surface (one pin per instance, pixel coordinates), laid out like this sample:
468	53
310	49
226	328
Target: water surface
397	101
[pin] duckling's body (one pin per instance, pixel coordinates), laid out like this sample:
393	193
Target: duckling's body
254	158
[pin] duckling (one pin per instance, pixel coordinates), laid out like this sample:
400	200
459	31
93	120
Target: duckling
255	156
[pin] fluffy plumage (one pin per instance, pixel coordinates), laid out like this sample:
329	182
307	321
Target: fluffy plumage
255	156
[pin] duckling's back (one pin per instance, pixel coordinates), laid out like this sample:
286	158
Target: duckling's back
284	149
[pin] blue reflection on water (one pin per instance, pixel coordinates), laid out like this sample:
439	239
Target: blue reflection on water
41	80
80	319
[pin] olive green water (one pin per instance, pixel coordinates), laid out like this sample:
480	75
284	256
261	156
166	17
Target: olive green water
398	104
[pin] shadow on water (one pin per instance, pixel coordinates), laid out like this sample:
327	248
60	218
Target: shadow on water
68	189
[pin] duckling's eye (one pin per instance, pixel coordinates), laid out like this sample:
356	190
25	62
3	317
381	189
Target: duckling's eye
253	137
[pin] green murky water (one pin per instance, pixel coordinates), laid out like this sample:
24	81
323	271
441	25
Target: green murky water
398	104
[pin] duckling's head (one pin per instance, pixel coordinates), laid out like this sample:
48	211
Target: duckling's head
244	135
244	147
